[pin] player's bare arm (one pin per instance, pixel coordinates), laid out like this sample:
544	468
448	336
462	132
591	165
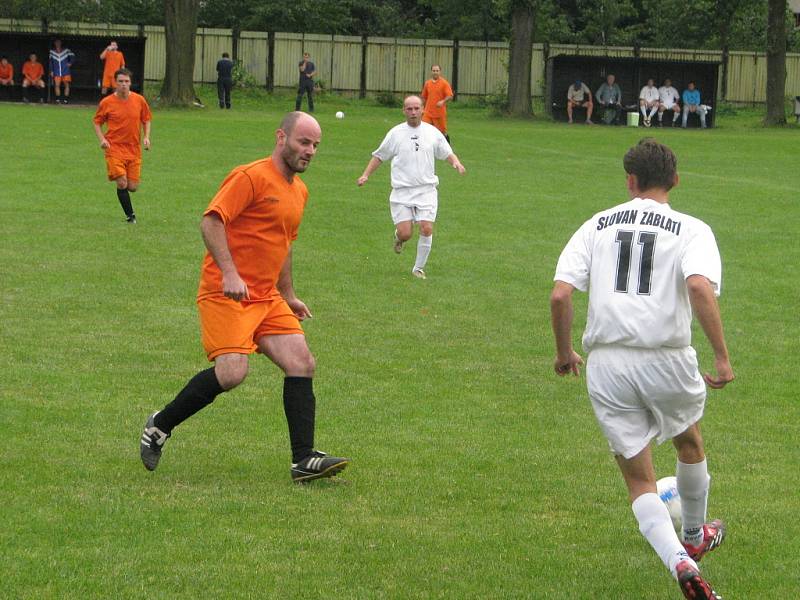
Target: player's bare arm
444	101
373	164
104	143
216	241
456	164
146	138
706	309
561	312
285	286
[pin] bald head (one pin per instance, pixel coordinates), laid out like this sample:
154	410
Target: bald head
298	136
412	109
295	118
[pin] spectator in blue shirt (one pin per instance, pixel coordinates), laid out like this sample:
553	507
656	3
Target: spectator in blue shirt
224	80
691	103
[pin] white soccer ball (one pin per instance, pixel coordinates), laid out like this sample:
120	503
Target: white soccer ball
339	114
668	492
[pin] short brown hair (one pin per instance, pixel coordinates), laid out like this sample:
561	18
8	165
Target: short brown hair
653	164
123	71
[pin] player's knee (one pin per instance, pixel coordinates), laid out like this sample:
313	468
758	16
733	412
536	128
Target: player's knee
301	364
231	372
404	232
426	229
122	183
133	186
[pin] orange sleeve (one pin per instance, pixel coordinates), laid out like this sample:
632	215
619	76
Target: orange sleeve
145	114
100	116
424	93
234	195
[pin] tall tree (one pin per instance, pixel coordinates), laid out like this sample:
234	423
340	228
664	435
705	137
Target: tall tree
519	59
776	62
180	27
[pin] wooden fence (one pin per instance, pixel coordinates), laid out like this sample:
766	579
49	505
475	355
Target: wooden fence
375	64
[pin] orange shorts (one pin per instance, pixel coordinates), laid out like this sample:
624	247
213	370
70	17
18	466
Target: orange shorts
230	327
30	82
127	167
108	81
65	79
439	122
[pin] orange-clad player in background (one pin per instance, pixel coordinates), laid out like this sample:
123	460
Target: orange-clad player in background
6	77
436	93
6	71
246	297
114	61
33	77
125	112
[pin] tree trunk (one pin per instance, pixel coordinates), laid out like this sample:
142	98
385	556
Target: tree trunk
776	63
180	26
519	61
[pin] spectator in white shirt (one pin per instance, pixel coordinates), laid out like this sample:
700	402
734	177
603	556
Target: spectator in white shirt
648	100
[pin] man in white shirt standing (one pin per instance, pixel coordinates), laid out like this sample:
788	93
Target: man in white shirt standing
647	267
648	100
668	99
412	147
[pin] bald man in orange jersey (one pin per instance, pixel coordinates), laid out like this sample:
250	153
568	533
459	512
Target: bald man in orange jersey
436	93
247	301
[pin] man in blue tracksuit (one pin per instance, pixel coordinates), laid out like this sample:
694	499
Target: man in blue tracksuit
61	70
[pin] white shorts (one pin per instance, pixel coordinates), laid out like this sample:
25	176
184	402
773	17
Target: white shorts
639	394
414	204
669	105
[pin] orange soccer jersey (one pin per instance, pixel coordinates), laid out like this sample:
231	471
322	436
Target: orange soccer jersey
262	213
124	119
114	61
32	70
433	92
6	71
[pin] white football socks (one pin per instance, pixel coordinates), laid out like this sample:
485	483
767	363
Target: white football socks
656	526
693	484
644	111
423	250
653	111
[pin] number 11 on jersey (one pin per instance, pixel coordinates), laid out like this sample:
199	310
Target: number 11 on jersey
647	241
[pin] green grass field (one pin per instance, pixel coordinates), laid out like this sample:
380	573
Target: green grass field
476	472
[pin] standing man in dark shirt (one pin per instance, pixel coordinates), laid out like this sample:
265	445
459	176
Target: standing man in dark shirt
307	71
224	80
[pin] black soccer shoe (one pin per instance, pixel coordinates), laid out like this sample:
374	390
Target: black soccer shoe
152	443
131	219
318	465
693	586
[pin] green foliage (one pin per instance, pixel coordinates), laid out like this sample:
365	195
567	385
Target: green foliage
388	99
242	77
497	102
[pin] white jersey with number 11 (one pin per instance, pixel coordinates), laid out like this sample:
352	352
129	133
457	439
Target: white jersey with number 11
634	259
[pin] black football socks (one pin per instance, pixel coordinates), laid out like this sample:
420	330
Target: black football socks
125	202
198	393
300	407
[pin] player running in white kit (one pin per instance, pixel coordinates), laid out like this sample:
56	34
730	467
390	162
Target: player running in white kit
412	147
647	267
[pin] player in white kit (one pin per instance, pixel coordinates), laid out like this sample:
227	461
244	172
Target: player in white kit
648	100
668	99
647	268
412	147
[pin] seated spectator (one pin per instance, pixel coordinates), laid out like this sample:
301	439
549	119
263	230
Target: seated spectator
33	76
648	100
609	96
668	100
6	76
580	95
691	104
